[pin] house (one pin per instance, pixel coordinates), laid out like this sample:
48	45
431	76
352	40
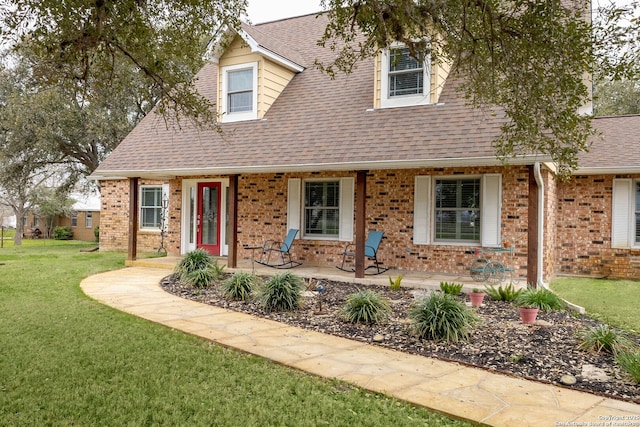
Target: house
391	147
84	218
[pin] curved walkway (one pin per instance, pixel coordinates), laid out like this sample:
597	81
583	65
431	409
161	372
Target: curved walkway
459	391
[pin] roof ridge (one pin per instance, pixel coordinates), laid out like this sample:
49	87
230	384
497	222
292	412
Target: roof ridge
289	18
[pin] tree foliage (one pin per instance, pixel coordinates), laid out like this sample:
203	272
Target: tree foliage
90	44
531	59
616	97
27	163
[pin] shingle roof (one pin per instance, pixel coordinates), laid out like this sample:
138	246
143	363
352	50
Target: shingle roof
617	147
315	124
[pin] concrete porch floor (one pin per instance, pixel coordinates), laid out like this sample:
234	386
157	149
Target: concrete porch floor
410	279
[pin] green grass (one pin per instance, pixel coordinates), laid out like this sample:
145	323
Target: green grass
68	360
612	301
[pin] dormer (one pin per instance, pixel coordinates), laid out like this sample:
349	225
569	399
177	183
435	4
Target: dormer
402	81
253	70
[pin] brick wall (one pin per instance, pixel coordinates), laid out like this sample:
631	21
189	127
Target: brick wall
262	215
114	218
584	230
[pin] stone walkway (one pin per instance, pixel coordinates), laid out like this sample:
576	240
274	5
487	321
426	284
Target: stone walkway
450	388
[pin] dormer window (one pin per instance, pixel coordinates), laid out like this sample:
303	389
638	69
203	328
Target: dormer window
239	92
405	80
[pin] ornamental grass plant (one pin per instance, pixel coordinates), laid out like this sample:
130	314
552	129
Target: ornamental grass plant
629	361
366	306
282	292
508	293
540	298
440	316
240	286
603	338
451	288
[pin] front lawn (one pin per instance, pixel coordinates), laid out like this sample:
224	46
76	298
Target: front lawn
612	301
68	360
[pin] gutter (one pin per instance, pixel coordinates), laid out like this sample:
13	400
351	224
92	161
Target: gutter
540	264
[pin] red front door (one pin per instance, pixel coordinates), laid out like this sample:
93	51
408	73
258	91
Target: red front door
208	217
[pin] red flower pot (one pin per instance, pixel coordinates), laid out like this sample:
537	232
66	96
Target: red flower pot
476	298
528	315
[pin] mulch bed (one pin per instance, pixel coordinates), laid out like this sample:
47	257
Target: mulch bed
543	352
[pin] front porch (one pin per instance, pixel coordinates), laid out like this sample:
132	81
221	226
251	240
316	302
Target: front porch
411	279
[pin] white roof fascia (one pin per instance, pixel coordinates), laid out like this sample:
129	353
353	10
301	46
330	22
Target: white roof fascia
257	48
611	170
315	167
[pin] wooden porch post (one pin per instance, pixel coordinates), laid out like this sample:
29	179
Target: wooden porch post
132	247
232	256
361	215
532	230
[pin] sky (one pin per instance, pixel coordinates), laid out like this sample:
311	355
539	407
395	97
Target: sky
270	10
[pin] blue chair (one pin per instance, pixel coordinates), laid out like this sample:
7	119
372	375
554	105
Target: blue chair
281	249
371	247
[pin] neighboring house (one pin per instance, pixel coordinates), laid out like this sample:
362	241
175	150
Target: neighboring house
391	147
84	218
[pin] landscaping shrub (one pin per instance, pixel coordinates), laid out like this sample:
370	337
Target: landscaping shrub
282	292
441	317
394	284
240	286
198	278
217	269
508	293
96	233
62	233
366	307
451	288
541	298
196	269
629	361
197	259
603	338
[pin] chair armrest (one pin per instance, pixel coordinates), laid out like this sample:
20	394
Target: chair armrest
272	245
346	249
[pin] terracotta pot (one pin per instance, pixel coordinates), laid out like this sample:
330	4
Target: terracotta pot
528	315
476	298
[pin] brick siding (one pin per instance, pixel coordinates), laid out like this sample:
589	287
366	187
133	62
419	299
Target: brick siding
262	215
584	230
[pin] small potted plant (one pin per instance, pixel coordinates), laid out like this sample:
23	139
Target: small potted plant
532	300
476	296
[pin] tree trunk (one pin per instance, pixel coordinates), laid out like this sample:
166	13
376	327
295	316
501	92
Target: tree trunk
17	239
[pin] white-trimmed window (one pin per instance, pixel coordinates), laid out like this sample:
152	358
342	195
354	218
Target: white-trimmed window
240	92
404	80
457	210
322	208
625	226
152	207
74	218
88	219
